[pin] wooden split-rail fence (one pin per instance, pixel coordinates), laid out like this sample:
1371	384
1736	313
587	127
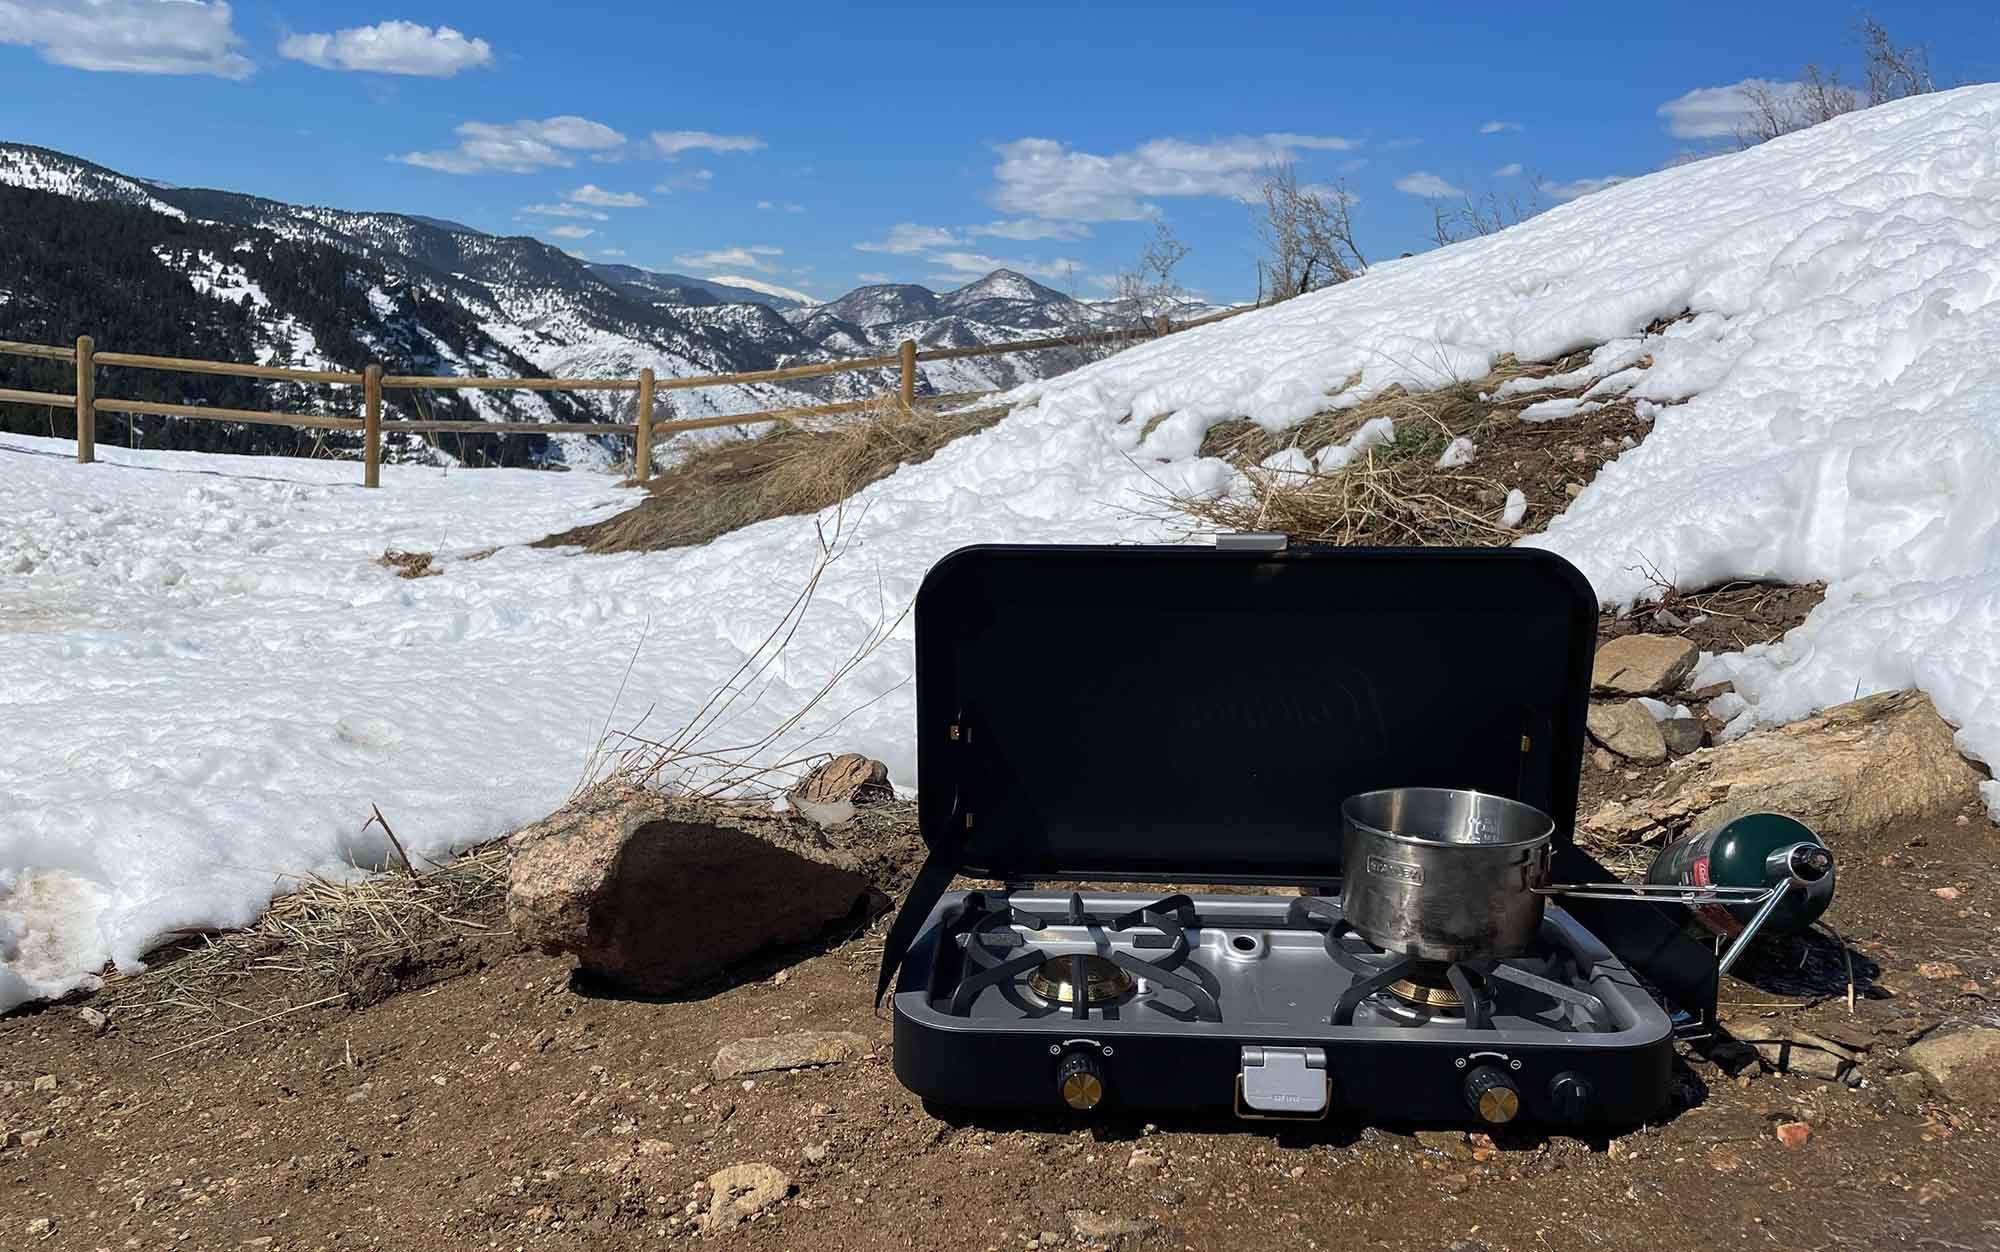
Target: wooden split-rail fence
373	382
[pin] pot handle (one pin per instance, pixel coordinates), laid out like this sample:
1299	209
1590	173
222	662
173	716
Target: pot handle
1657	893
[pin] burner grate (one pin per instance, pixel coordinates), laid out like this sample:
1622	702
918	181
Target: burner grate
989	930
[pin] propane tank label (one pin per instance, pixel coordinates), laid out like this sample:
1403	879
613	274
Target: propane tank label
1714	916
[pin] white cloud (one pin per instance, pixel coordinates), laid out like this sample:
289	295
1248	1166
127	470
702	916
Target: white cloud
1046	179
592	194
130	36
907	238
1031	228
692	180
873	276
566	210
393	47
754	257
518	147
572	232
611	252
1425	184
1352	164
1583	186
671	143
789	208
1508	170
959	266
1494	128
1717	112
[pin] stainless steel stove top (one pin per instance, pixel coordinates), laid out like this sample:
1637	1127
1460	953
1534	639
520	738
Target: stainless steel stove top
1260	964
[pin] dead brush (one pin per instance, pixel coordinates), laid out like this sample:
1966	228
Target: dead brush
786	472
1376	500
307	948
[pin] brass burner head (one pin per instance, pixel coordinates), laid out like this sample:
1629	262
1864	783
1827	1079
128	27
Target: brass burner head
1428	988
1104	980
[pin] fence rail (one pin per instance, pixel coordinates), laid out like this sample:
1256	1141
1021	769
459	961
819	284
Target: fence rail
373	382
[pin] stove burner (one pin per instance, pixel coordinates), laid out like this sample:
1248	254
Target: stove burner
1428	986
1103	981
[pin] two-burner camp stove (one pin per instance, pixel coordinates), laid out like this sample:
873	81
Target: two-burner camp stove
1196	716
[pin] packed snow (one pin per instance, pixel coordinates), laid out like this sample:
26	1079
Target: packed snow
208	680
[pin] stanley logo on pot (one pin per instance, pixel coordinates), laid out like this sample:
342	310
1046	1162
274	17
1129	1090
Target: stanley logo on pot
1401	871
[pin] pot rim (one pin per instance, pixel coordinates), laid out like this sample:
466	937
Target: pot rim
1417	841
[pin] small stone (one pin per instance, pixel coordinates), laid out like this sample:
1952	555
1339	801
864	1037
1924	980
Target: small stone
1450	1142
1144	1161
1939	970
797	1050
1724	1159
1794	1134
1962	820
1105	1227
94	1019
45	1083
1603	760
1626	728
815	1153
1965	1064
1683	734
1946	893
1296	1172
849	777
42	1227
1643	665
780	978
740	1192
1050	1238
29	1138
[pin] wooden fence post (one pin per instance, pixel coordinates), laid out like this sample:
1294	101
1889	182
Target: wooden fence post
642	456
371	426
908	388
86	400
1163	325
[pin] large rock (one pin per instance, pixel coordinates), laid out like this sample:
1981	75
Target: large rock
1850	770
653	893
1626	728
1643	665
1965	1063
800	1049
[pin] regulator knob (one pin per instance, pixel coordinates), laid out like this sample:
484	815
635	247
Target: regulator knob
1574	1097
1492	1095
1080	1081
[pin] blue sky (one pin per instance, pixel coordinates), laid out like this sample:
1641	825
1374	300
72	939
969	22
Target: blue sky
821	146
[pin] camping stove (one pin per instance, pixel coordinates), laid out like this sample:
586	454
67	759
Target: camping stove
1171	715
1270	1005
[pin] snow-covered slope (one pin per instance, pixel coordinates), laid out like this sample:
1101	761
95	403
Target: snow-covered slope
1829	409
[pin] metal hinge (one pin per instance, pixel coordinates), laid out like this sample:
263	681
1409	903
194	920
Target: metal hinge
1251	541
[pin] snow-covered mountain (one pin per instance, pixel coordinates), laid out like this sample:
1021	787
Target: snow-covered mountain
525	301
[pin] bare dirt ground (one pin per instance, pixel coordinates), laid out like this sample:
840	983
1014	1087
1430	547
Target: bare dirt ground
504	1107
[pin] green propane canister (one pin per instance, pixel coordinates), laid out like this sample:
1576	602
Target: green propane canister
1755	850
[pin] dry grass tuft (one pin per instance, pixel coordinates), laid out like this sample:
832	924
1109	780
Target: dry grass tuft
327	942
409	564
787	472
1397	494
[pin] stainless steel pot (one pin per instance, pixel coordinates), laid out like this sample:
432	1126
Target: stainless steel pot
1444	875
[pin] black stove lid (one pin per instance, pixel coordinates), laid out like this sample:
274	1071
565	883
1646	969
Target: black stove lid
1184	714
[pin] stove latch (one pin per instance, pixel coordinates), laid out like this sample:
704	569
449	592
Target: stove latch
1283	1082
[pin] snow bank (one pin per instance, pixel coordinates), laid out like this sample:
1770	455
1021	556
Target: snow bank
206	681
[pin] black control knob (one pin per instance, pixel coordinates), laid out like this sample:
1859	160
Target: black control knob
1492	1095
1574	1098
1080	1081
